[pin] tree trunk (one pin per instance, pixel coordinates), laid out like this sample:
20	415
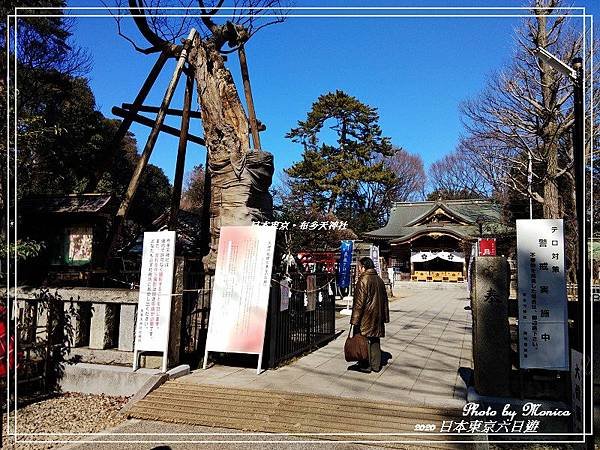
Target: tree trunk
240	179
551	198
551	208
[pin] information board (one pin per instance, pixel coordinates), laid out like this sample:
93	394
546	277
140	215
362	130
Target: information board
543	332
156	287
240	296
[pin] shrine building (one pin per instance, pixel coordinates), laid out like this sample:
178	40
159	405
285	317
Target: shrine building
432	240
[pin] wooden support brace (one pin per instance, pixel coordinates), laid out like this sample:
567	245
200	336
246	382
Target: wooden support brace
205	220
143	161
114	147
183	138
249	100
170	111
150	123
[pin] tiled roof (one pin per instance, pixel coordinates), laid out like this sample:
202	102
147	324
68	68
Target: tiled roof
404	214
66	204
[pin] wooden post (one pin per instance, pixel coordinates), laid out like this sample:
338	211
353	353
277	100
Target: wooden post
127	121
249	100
205	221
273	321
179	167
176	311
143	161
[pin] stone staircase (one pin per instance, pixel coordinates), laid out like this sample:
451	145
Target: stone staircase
287	412
411	285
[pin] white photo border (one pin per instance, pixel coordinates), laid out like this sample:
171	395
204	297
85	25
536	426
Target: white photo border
18	15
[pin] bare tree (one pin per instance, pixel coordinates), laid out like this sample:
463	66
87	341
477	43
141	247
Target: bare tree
410	175
520	127
407	182
458	176
219	21
238	176
193	196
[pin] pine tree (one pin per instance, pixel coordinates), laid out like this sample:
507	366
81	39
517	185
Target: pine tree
346	176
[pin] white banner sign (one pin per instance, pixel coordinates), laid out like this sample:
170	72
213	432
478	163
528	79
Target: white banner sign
428	256
374	255
156	287
543	332
240	299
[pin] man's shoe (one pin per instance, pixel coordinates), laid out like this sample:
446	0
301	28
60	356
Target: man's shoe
359	368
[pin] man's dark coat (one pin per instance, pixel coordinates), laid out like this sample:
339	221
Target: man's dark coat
370	309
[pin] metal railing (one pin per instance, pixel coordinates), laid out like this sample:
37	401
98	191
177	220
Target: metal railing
105	318
306	323
196	309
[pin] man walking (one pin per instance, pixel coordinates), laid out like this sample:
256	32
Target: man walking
370	310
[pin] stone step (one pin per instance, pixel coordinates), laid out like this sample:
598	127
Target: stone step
287	412
294	410
213	390
409	285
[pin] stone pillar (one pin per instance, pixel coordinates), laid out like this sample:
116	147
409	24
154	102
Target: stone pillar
176	311
491	346
102	326
41	321
127	318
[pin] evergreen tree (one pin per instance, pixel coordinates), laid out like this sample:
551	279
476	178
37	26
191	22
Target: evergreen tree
61	135
346	176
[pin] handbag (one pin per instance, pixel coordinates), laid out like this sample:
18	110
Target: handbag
356	347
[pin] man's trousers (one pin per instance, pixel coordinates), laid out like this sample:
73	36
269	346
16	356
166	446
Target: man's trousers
374	353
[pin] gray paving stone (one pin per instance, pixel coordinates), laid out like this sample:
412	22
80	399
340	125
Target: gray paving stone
429	338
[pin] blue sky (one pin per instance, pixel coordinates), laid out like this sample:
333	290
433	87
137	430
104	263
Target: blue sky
415	70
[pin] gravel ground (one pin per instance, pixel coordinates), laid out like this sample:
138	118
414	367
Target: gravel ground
65	413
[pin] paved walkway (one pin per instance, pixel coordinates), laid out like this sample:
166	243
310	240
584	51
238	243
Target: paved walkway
429	337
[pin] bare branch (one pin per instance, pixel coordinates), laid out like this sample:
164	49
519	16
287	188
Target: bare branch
145	51
137	8
207	21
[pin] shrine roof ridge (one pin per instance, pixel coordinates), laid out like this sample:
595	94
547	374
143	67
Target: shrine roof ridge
407	218
466	201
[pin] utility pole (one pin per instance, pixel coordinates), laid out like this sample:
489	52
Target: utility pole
584	305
